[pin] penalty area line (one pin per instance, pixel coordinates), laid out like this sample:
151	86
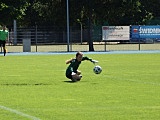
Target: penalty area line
18	113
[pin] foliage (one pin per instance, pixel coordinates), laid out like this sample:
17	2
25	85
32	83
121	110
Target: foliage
10	10
53	12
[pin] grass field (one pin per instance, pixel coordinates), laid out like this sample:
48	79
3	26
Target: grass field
35	87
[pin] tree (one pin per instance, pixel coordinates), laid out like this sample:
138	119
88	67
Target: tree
10	10
152	8
83	13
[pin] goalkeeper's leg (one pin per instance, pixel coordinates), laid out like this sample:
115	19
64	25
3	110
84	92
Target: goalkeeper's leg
76	76
78	72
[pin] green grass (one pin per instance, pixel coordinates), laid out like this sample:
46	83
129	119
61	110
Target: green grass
127	89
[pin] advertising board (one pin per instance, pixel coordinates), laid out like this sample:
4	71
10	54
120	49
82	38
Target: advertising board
145	31
115	33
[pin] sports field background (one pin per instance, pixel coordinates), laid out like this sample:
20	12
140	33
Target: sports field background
78	47
34	87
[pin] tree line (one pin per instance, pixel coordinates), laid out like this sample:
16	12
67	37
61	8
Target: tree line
85	12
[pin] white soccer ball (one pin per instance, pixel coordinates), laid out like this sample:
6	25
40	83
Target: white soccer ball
97	69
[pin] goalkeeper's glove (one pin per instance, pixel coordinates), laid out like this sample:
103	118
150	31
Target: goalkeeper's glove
94	61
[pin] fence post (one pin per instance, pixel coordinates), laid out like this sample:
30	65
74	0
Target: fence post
26	45
27	42
105	46
36	37
15	32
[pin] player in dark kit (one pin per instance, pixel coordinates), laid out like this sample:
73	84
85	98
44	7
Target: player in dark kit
72	71
3	38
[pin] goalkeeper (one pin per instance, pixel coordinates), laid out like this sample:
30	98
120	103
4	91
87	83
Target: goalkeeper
72	71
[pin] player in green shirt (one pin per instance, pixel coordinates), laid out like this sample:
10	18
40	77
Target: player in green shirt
72	71
3	38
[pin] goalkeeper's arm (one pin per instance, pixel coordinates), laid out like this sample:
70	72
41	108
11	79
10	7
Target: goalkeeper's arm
68	61
94	61
87	58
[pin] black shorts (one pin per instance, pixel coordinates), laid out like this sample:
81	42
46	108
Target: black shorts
2	42
69	76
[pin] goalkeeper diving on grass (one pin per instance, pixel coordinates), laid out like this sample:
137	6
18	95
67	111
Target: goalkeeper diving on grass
72	71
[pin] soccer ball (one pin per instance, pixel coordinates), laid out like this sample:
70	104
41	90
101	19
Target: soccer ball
97	69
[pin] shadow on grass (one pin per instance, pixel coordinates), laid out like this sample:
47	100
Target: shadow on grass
23	84
67	81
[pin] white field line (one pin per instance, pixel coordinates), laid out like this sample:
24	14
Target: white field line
18	113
